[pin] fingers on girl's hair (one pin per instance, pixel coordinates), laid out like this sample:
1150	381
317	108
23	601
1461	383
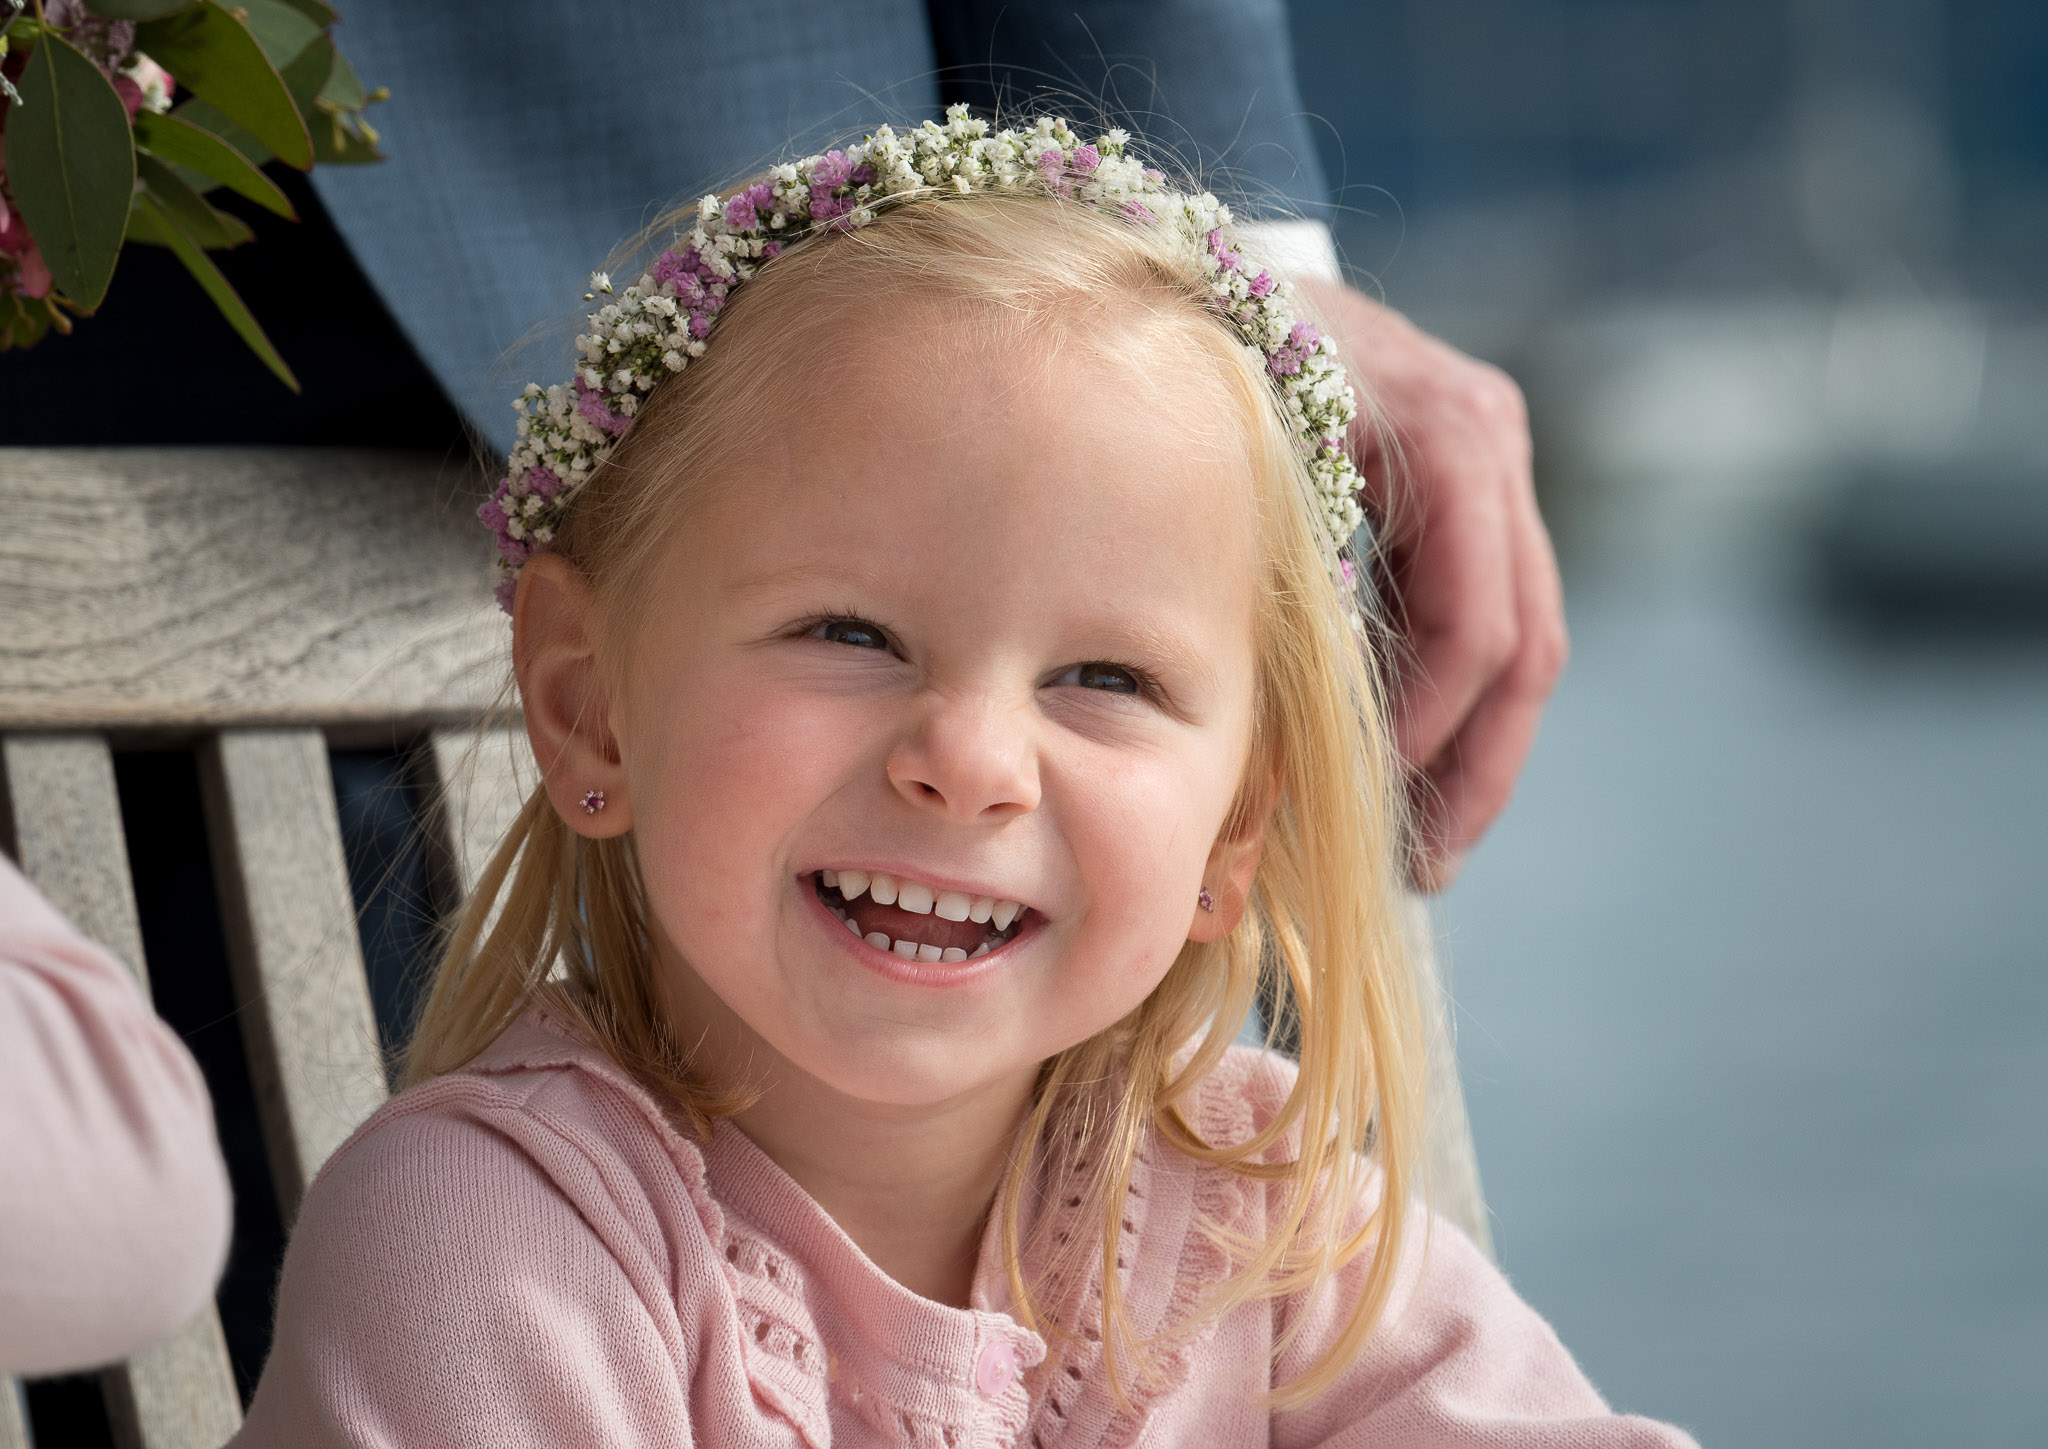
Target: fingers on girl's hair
1460	607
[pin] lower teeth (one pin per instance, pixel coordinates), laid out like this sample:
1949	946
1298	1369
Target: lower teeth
916	950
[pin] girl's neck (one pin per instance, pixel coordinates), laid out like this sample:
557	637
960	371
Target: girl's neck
912	1186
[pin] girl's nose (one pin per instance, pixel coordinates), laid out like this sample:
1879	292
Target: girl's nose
968	757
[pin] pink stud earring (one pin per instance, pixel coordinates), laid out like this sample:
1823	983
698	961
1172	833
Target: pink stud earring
1206	901
593	801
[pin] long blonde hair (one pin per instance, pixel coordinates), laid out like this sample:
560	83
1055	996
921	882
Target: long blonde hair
559	917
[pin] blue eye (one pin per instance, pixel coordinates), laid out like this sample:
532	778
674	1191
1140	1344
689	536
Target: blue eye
1111	678
857	633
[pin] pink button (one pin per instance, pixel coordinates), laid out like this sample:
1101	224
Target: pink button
997	1369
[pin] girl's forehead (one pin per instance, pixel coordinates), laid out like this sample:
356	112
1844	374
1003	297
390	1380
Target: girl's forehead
1002	464
1117	429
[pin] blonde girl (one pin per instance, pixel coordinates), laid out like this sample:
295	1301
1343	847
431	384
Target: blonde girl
949	698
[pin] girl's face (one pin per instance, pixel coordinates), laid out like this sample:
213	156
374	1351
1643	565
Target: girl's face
976	621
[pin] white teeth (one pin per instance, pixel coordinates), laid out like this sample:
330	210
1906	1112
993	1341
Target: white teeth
882	888
953	953
853	925
929	953
953	905
1004	913
830	877
915	898
979	911
853	884
981	950
876	939
906	949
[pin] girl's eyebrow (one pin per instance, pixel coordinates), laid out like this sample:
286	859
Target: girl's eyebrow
1168	650
809	573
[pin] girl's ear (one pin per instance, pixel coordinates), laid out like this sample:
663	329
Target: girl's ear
1234	860
562	691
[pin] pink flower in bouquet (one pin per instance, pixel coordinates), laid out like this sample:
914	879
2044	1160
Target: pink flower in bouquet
32	278
143	85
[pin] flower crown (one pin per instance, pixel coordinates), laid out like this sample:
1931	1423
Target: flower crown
659	324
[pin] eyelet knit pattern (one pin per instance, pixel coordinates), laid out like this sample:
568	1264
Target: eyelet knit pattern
528	1253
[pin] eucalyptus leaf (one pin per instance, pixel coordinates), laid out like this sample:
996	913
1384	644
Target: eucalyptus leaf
320	14
211	229
282	29
307	76
71	167
22	321
195	149
343	87
215	57
321	81
152	224
209	118
135	9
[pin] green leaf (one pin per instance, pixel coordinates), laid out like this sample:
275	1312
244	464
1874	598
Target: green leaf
282	29
152	224
331	99
136	9
22	321
177	140
320	14
343	87
71	167
214	56
211	229
209	118
307	76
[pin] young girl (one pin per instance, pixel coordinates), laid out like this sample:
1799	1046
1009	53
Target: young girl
948	696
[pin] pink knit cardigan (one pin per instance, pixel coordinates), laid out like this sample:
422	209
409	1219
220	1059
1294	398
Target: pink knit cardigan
527	1253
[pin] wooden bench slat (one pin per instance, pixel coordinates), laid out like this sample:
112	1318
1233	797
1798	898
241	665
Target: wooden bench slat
481	778
291	929
161	588
178	1393
68	836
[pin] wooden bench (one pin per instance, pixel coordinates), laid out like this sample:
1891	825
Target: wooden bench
262	606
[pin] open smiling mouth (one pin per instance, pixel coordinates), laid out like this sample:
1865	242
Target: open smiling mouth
915	921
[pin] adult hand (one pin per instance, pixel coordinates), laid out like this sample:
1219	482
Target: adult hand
1474	582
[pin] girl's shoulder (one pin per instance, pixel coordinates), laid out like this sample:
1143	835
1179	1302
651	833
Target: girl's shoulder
539	1122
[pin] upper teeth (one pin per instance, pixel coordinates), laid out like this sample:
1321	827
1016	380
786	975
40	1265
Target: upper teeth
920	899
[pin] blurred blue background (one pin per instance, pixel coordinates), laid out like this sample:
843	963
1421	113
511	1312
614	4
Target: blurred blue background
1752	977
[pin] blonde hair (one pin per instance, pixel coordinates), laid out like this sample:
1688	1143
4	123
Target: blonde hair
561	917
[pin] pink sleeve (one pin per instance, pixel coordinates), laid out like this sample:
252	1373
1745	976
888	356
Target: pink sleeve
1459	1361
113	1196
457	1277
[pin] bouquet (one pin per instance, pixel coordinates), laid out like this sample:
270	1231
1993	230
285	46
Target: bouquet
94	155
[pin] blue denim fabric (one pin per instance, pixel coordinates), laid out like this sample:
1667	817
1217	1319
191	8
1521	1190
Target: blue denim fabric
529	138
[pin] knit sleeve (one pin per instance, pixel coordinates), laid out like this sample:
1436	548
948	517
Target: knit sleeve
1458	1362
465	1274
113	1196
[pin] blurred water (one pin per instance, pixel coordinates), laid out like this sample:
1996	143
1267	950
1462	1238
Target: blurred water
1753	989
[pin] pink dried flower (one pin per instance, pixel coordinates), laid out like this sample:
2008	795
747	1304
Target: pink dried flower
831	170
590	403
